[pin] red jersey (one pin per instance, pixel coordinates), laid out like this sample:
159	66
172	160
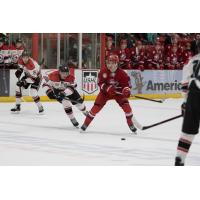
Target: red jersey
137	57
124	58
154	58
119	79
4	47
13	47
186	55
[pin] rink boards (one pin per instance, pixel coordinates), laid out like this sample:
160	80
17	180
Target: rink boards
149	83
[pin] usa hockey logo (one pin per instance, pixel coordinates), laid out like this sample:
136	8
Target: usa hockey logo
89	81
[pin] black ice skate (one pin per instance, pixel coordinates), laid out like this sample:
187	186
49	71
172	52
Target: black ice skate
133	129
16	109
83	127
178	162
41	110
74	122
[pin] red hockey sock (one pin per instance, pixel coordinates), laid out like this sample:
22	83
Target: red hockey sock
89	118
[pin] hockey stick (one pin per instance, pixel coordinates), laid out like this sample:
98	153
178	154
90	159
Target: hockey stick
162	122
74	101
148	99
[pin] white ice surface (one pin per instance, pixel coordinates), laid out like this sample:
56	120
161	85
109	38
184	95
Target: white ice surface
32	139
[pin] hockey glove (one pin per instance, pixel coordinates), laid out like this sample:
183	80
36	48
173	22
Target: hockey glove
183	107
60	96
22	83
126	92
50	94
18	72
111	90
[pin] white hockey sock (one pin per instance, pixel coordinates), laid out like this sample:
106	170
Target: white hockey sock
81	107
39	105
18	101
184	144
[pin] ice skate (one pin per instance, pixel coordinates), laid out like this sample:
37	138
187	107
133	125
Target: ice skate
133	129
16	109
178	162
74	122
83	128
41	110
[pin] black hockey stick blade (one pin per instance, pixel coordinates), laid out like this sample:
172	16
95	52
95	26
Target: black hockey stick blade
148	99
162	122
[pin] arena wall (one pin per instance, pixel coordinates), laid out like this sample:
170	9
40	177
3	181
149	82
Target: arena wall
149	83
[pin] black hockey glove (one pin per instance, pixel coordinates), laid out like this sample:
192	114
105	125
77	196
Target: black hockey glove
183	107
18	72
60	96
50	94
22	83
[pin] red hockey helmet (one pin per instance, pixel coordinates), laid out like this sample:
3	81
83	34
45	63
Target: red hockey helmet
113	58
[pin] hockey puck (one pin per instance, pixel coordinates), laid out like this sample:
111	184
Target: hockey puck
123	138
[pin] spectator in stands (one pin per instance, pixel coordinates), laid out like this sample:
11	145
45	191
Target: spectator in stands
3	45
110	48
124	55
154	58
138	56
16	50
19	44
172	59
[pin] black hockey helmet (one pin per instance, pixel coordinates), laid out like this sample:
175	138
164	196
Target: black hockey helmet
26	53
18	40
63	69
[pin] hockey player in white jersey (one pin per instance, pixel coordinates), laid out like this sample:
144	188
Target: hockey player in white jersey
28	75
190	107
60	85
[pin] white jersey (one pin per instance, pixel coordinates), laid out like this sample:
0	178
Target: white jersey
53	81
31	69
191	71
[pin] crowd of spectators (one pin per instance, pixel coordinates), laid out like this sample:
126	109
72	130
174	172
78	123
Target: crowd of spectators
142	51
9	54
152	51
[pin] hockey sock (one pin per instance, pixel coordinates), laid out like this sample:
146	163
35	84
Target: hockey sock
82	108
129	118
18	97
89	118
69	112
184	144
37	102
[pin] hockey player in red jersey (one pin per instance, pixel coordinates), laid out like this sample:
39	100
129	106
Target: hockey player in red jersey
29	75
60	85
114	84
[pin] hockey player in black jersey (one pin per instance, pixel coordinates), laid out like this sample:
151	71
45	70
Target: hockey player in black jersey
190	108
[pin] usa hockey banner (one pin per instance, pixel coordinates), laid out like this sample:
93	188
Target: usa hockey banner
155	81
89	81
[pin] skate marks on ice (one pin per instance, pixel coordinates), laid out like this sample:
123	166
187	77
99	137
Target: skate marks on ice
52	140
